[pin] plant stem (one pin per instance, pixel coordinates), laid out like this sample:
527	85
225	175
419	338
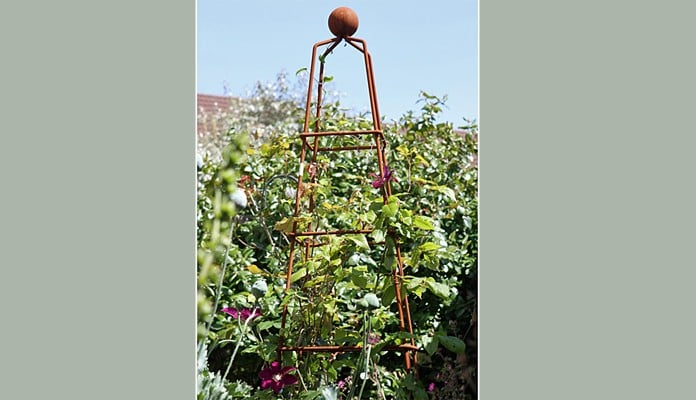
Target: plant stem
367	370
299	375
363	358
222	276
380	390
241	338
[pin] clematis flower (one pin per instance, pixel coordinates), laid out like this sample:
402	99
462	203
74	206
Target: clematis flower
276	378
387	176
431	387
244	314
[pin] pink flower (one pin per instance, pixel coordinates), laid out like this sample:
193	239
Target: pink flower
343	385
373	338
244	314
276	378
387	175
431	387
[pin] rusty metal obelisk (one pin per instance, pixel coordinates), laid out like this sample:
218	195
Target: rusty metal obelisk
343	23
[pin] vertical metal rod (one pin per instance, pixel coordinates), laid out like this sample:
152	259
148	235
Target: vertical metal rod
397	278
370	87
320	83
320	97
309	89
308	106
317	126
407	311
298	191
374	91
377	122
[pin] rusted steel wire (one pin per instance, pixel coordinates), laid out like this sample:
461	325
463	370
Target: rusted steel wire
345	349
336	232
343	23
341	133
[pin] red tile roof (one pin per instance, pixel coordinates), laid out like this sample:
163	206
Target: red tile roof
207	106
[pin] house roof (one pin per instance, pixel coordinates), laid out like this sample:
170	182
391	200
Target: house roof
212	102
208	105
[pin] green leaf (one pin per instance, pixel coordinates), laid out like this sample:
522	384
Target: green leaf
284	225
452	344
414	282
430	344
378	235
372	300
422	222
420	394
403	150
439	289
447	192
310	395
418	291
422	160
359	241
329	393
262	326
428	247
328	78
368	260
312	282
389	210
300	273
389	254
300	70
358	279
388	294
427	96
370	216
353	260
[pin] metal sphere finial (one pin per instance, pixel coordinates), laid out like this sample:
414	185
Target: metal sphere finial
343	22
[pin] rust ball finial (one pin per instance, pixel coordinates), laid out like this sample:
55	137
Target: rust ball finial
343	22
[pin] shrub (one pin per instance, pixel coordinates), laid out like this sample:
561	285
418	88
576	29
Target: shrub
346	284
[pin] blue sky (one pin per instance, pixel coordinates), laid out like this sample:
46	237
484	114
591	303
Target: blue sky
415	45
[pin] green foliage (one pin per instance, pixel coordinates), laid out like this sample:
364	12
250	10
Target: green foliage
345	293
210	385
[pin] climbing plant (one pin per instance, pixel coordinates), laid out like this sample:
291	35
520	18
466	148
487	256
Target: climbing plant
245	207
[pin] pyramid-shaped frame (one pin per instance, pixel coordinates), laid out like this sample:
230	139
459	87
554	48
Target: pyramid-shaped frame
305	238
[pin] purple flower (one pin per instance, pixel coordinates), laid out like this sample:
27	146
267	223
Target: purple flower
373	338
343	385
244	314
276	378
387	176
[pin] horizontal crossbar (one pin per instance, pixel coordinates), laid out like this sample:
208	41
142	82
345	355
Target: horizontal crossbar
320	233
344	349
340	133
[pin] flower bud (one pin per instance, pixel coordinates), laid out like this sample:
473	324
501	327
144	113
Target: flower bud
259	288
239	198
